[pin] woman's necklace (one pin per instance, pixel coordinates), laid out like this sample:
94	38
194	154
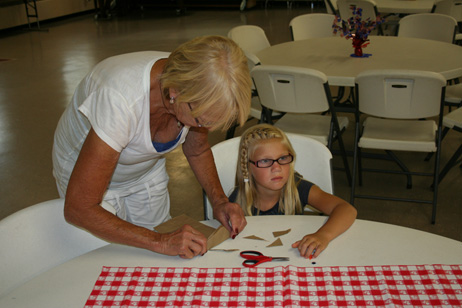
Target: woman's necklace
178	123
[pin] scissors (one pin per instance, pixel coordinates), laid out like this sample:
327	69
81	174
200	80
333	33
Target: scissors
253	258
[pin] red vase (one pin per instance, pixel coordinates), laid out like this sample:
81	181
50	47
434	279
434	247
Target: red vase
358	46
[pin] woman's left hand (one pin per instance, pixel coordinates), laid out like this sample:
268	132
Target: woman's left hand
311	245
231	216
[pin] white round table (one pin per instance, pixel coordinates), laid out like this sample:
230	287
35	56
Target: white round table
332	56
365	243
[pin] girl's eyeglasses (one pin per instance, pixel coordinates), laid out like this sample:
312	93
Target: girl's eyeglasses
266	163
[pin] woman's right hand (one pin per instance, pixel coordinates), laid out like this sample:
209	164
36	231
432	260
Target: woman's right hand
186	242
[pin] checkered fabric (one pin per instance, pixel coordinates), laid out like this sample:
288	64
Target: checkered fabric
352	286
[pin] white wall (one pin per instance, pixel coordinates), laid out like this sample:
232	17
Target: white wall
12	16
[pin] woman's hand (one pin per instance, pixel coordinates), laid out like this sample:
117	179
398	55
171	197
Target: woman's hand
231	216
311	245
185	242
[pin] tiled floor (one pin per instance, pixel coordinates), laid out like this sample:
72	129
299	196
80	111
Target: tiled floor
44	68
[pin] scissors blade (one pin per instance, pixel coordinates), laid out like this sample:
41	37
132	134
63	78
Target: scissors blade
280	259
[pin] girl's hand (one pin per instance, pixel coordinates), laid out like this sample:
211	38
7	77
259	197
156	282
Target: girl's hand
311	245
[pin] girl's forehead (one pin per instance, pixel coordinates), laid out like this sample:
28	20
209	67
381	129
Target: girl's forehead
273	144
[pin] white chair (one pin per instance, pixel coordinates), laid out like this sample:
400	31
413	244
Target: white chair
452	8
449	7
36	239
313	162
369	10
452	120
250	38
428	26
302	94
453	96
255	108
395	102
311	26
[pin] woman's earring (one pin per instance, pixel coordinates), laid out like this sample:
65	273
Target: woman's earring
172	100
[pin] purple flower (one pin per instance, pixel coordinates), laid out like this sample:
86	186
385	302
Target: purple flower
355	26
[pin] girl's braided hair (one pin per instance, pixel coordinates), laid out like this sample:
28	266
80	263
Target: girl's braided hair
247	197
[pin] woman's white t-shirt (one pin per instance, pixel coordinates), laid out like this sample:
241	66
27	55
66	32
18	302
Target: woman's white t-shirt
113	99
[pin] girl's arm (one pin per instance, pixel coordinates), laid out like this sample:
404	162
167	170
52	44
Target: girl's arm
341	217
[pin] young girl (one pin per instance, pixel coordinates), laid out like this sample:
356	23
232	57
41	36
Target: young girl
268	185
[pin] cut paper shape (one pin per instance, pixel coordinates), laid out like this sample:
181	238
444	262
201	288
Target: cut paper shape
277	242
281	233
225	250
254	237
214	236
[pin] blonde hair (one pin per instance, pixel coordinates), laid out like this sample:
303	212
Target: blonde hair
211	71
247	197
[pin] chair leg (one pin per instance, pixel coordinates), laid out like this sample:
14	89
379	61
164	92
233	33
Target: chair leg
360	167
343	152
436	176
355	167
403	168
345	159
451	163
445	132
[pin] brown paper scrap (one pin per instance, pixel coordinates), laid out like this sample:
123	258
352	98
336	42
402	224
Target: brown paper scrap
281	233
277	242
179	221
214	236
254	237
225	250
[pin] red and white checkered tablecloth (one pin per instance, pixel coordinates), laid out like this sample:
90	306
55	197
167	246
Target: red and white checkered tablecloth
349	286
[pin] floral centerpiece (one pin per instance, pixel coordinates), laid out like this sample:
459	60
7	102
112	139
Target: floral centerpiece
356	29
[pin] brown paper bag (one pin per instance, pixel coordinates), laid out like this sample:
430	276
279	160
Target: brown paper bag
214	236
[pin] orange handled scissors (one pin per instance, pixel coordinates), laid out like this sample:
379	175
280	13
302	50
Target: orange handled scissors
253	258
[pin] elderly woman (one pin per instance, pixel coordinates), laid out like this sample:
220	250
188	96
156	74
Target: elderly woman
125	115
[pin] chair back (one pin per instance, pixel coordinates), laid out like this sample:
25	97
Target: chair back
36	239
255	107
369	8
400	94
313	162
291	89
449	7
311	26
250	38
428	26
252	60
